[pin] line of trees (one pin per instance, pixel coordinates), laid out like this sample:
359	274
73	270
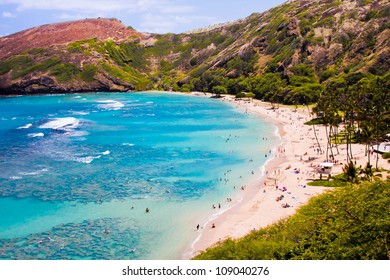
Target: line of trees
362	110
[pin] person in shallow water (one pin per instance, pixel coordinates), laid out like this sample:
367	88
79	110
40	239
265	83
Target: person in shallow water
147	210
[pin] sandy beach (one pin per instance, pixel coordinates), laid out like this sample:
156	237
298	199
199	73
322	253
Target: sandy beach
295	162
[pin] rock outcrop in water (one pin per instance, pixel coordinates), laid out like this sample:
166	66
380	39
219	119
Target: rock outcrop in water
298	46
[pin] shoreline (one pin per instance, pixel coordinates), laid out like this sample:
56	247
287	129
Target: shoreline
246	212
286	175
257	207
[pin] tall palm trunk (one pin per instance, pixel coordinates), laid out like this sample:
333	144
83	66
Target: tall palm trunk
335	140
347	136
377	155
369	157
350	145
315	134
329	142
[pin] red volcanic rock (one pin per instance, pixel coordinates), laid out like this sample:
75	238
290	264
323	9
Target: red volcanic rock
62	33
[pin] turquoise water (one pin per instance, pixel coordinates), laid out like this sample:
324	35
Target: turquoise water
78	171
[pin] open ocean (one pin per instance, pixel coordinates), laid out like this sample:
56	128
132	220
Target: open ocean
78	171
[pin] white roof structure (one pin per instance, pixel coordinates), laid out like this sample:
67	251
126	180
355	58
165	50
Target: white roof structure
383	148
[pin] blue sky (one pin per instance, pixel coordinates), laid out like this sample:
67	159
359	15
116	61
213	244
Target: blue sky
158	16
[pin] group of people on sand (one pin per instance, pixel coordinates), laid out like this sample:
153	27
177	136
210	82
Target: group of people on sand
219	206
198	226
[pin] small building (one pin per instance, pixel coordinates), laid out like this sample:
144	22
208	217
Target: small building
326	168
382	148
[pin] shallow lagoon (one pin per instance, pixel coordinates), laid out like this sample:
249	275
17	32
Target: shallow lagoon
72	166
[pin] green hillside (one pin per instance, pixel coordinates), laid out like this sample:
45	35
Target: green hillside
287	54
347	223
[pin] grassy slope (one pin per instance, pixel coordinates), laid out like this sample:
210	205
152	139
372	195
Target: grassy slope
351	222
285	42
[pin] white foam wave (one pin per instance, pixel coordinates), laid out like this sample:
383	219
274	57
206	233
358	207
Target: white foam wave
34	172
87	160
110	105
77	97
128	144
79	113
15	178
61	123
33	135
76	133
25	126
106	152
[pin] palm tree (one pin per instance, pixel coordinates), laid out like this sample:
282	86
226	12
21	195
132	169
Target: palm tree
372	107
351	172
329	107
367	171
381	110
317	112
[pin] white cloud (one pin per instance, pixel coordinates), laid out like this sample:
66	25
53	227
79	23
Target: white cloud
176	9
65	16
156	24
157	16
8	15
93	6
163	23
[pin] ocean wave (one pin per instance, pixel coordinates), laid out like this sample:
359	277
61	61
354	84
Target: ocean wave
79	113
33	135
25	126
87	160
128	144
34	172
76	133
61	123
110	105
15	178
106	152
